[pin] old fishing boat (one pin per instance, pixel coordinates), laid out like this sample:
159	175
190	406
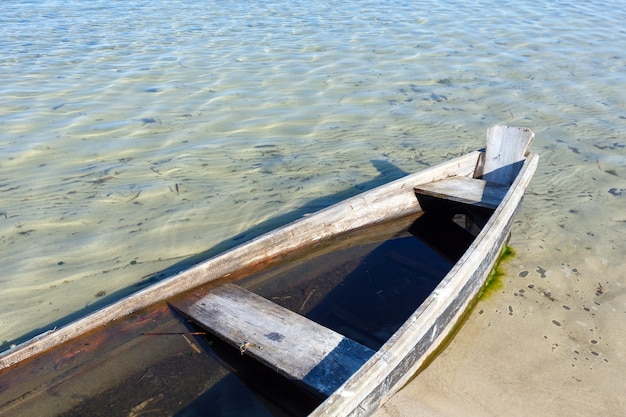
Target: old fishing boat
327	305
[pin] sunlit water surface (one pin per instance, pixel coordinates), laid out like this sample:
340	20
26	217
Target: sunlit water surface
135	136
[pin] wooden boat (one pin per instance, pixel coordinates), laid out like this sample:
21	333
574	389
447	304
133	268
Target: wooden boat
463	209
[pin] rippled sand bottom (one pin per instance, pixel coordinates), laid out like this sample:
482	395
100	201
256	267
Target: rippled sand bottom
132	149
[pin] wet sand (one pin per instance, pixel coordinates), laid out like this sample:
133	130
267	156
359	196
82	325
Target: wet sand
550	341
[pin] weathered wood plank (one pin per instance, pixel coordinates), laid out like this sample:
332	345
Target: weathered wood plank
294	346
506	150
465	190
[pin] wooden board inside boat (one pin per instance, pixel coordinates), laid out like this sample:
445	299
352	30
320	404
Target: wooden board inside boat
305	352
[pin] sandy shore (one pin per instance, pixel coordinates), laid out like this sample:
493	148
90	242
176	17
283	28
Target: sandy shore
551	341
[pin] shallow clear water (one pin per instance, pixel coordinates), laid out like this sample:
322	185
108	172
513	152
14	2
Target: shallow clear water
135	135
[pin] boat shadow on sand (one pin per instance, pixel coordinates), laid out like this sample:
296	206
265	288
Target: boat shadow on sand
387	172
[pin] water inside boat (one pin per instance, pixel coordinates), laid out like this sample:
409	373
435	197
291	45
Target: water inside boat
363	285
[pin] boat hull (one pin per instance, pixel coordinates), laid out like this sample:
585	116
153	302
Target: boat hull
60	354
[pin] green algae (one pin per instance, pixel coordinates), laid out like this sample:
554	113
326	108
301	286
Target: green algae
494	281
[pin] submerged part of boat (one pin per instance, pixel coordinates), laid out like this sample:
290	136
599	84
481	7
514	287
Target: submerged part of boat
329	304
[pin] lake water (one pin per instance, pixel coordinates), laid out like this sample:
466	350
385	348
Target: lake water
140	137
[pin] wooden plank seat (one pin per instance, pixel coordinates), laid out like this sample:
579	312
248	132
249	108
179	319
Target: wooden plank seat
305	352
464	190
507	148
